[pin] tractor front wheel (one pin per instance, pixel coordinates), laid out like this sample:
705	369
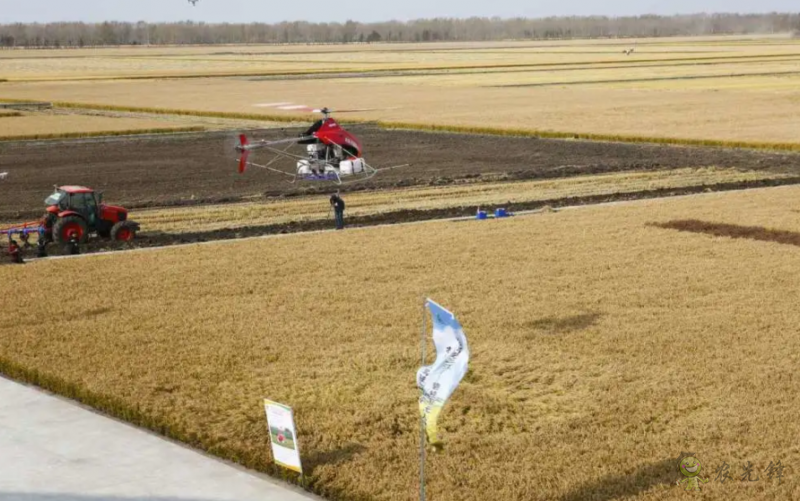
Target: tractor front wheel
124	231
68	226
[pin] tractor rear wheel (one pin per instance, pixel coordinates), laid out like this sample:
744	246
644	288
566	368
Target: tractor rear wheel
124	231
67	226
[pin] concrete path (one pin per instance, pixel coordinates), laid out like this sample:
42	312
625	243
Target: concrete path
52	449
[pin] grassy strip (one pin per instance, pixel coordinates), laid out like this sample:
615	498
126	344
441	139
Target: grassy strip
80	135
458	129
373	71
494	131
509	71
471	193
651	79
10	114
190	113
589	136
118	408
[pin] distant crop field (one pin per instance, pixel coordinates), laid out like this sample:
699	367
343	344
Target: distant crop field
616	109
216	60
718	89
602	347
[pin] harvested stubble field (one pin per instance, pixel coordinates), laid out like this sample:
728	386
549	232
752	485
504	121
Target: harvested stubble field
720	89
602	348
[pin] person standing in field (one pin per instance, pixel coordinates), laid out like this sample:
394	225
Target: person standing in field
41	243
14	251
73	246
338	207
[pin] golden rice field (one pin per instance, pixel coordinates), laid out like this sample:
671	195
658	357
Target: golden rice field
310	208
723	88
602	348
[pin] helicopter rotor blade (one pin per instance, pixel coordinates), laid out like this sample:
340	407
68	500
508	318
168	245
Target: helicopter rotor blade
287	106
296	107
353	110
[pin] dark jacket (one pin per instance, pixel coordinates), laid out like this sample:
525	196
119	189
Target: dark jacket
338	203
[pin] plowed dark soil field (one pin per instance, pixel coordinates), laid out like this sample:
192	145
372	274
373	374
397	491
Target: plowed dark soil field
201	168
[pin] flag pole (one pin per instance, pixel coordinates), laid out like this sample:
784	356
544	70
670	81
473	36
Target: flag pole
421	418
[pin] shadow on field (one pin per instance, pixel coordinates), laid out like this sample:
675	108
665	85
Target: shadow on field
565	325
623	486
333	457
733	231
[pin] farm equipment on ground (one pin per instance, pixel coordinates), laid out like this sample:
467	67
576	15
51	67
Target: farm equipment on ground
73	213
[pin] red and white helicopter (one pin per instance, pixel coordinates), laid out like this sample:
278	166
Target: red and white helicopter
331	153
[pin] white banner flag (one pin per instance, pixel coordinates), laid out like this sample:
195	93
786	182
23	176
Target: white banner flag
283	436
439	381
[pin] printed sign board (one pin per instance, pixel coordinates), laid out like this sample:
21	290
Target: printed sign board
283	435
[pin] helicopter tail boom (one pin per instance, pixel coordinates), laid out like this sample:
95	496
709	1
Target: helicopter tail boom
244	145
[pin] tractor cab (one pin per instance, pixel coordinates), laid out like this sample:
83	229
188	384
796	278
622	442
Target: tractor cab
76	199
78	211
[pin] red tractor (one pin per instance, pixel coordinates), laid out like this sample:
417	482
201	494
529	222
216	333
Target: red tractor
77	211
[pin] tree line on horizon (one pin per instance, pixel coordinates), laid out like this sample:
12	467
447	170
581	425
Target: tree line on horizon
75	34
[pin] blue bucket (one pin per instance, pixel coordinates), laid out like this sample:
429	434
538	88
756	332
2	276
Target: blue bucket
500	213
482	215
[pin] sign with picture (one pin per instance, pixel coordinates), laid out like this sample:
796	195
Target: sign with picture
283	436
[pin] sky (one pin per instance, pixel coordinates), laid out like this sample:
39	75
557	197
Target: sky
217	11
